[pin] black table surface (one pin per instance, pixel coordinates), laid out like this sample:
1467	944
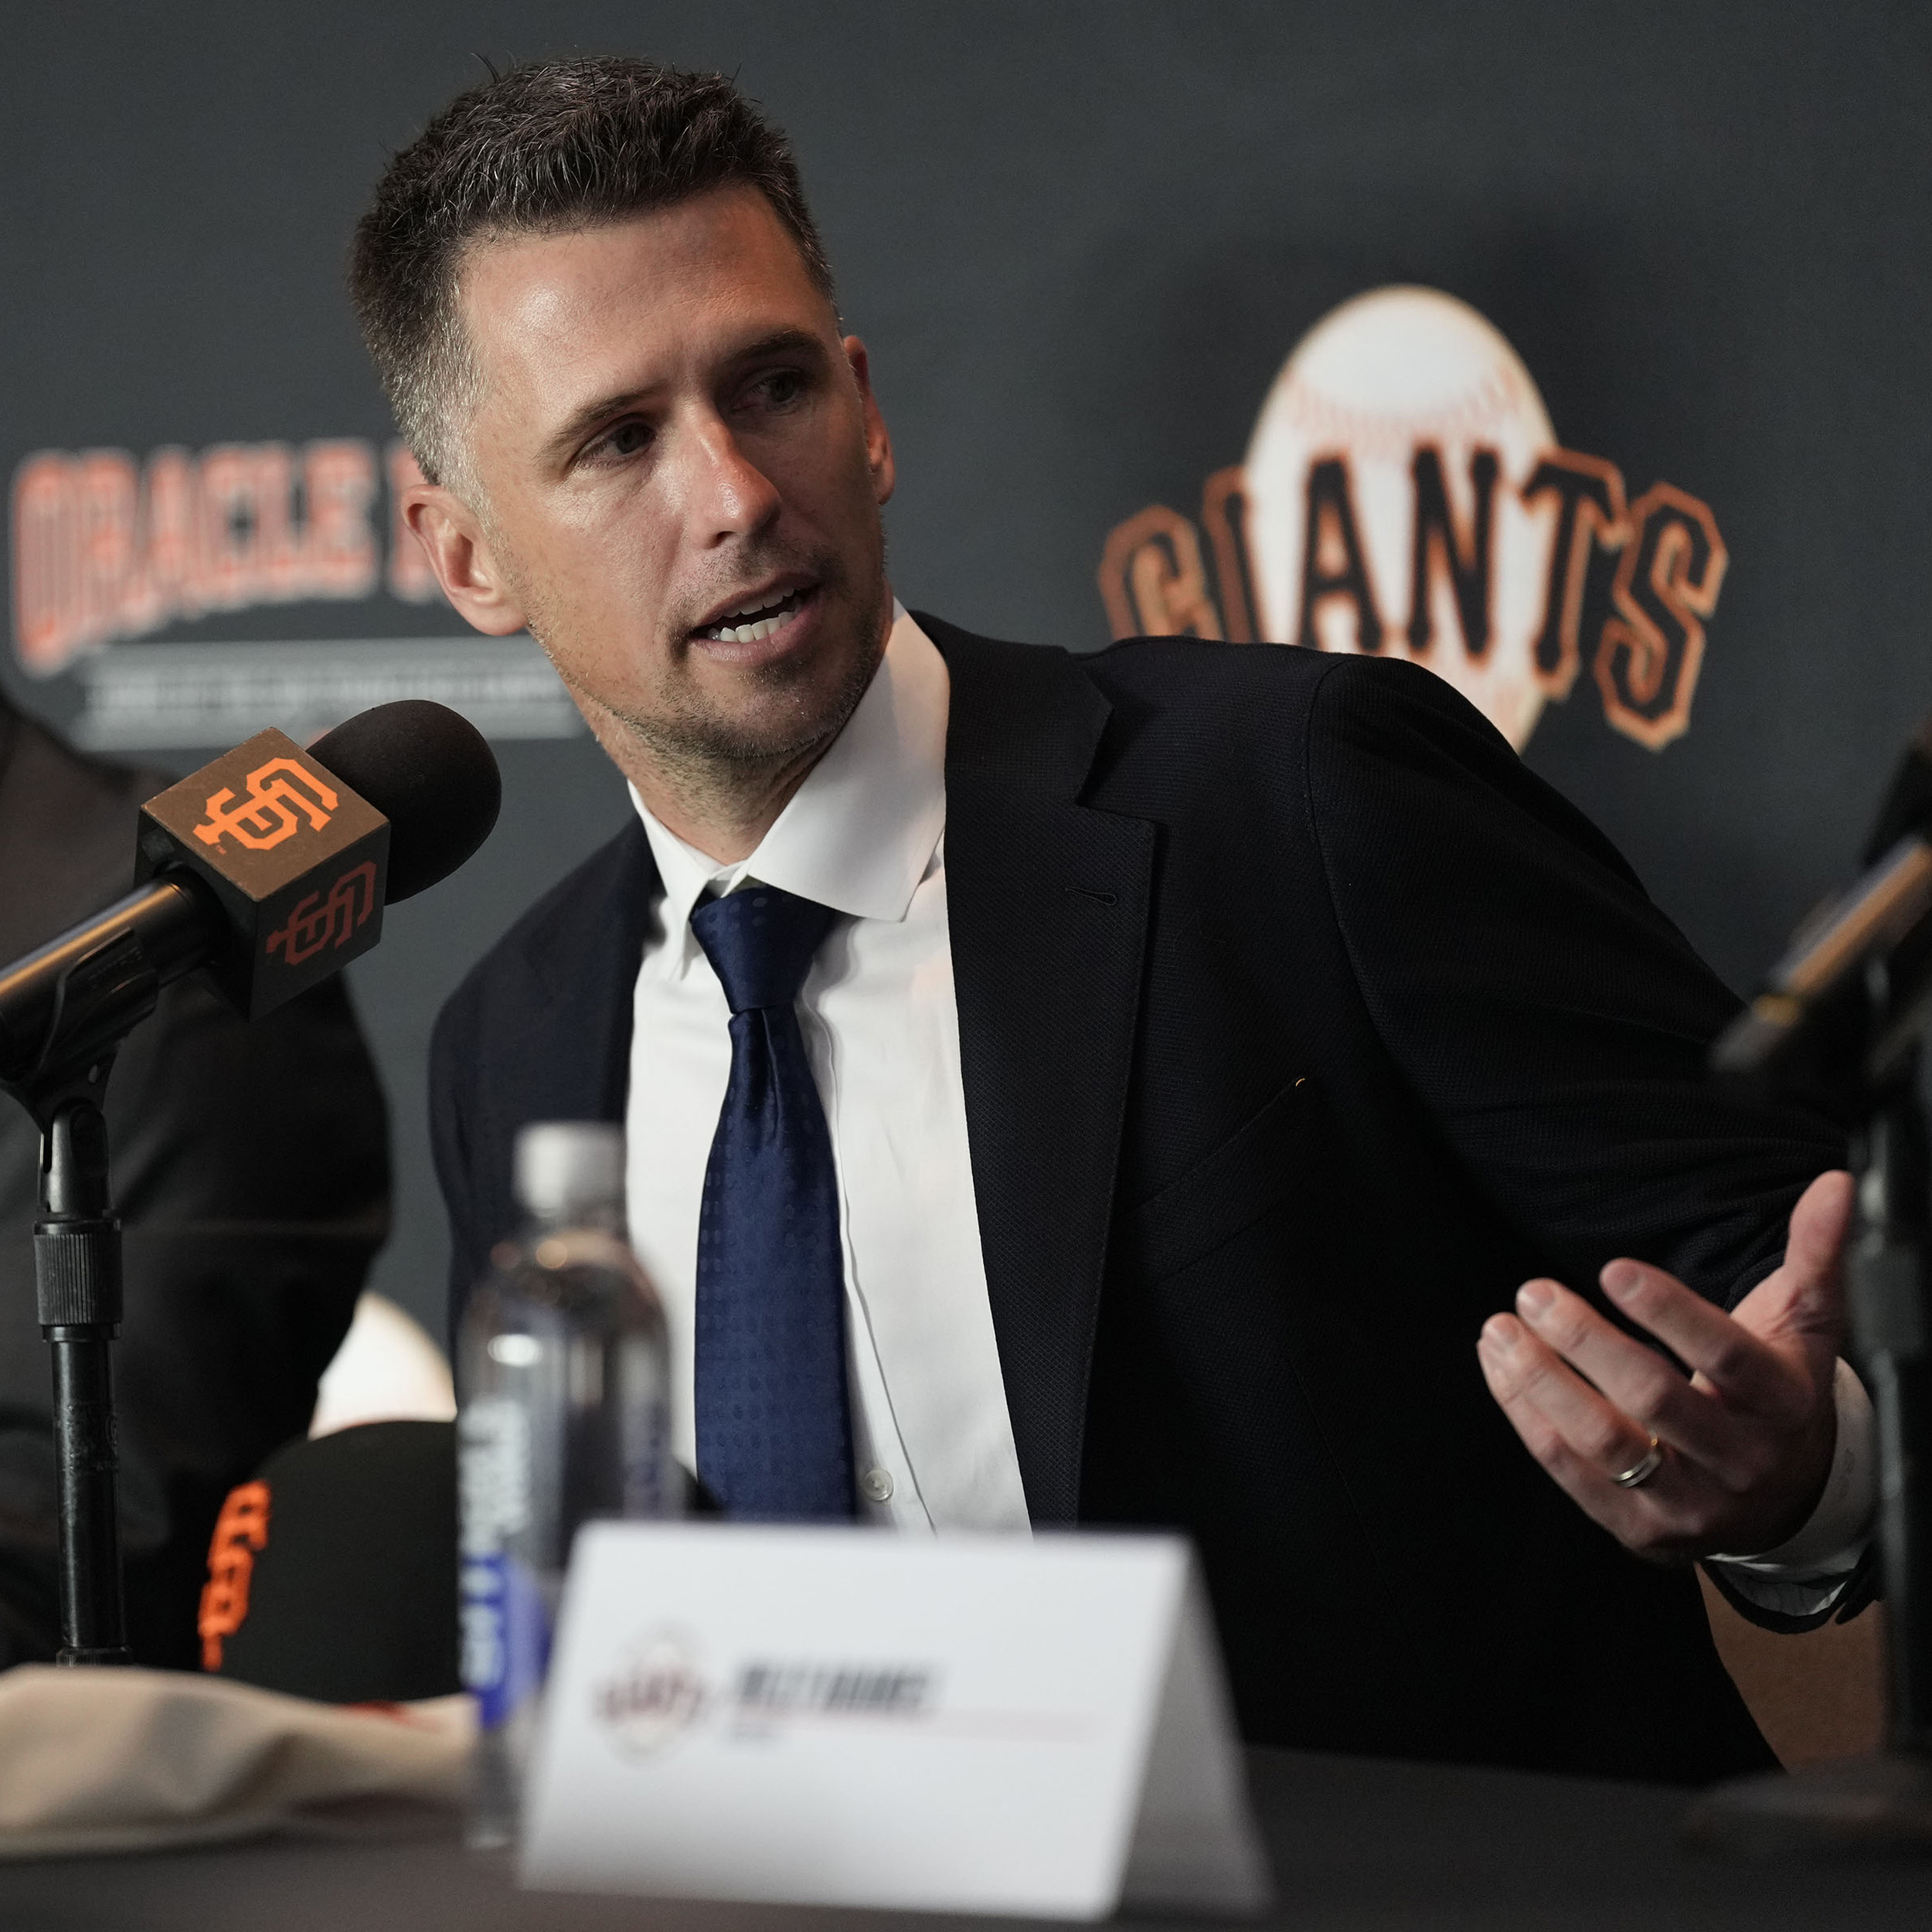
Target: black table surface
1355	1843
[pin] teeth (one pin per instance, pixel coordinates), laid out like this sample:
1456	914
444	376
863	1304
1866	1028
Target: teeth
750	633
730	630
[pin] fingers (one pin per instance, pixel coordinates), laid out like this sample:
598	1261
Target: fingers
1749	1434
1813	1251
1765	1356
1632	1377
1746	1370
1661	1519
1547	1399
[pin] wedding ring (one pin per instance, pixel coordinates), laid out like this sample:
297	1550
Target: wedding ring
1641	1472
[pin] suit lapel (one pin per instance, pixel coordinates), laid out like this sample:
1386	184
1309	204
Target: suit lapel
585	964
1047	901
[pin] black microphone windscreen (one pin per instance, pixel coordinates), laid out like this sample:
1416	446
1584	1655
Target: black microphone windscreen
429	772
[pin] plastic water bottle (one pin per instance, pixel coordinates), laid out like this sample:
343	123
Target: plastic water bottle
565	1378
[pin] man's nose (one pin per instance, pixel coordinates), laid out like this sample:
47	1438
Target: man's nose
730	497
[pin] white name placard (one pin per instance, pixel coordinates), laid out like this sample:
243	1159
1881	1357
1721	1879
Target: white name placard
847	1717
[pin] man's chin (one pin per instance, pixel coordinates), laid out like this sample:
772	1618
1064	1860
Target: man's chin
765	722
737	746
734	720
772	710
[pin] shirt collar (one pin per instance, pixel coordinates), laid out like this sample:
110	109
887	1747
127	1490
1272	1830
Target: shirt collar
859	833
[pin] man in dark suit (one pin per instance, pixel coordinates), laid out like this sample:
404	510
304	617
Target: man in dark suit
251	1172
1267	1022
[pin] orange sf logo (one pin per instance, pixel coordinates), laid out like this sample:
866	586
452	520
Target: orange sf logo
316	921
241	1530
281	794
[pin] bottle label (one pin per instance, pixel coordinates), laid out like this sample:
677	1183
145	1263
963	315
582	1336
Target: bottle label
506	1636
505	1621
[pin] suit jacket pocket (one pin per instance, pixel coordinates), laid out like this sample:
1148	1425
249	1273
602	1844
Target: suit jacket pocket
1253	1172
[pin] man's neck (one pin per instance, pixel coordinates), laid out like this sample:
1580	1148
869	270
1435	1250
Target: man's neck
725	819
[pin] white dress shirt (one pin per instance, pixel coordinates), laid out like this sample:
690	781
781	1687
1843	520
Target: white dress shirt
865	834
933	1443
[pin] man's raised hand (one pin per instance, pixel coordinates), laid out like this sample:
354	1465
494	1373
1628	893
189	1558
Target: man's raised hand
1746	1441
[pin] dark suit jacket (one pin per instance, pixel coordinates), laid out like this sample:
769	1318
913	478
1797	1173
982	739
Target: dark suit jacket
251	1170
1299	1022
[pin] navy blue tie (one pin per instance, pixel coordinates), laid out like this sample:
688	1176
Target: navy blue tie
774	1418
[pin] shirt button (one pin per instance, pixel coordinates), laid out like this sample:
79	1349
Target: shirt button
878	1485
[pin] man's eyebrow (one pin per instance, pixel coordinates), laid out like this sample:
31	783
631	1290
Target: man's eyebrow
780	341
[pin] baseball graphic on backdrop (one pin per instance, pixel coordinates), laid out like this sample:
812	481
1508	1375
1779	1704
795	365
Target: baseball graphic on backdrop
1405	405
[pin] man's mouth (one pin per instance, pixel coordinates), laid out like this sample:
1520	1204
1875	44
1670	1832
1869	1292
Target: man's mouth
762	616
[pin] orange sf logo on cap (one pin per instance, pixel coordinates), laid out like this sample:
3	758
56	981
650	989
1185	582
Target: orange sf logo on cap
281	794
241	1531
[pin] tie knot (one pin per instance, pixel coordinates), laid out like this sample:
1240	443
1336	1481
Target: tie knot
760	942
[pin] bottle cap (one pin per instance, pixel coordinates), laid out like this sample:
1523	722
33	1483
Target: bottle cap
565	1168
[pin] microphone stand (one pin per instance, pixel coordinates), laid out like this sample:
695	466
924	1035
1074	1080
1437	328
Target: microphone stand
1883	1801
102	995
1891	1268
76	1254
65	1010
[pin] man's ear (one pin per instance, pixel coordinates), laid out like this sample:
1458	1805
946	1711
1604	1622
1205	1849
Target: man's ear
460	555
878	442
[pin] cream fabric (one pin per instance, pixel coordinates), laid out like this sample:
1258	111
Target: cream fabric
136	1760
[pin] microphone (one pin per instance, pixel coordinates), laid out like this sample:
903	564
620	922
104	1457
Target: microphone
1815	999
271	867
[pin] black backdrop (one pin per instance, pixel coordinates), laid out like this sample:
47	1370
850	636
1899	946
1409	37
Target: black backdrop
1079	240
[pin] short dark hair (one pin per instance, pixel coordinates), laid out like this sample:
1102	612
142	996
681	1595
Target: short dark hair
544	147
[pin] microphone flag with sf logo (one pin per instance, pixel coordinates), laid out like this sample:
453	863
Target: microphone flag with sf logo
297	861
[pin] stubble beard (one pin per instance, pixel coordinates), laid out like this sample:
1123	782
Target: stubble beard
710	760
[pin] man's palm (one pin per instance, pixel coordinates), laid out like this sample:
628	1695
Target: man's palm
1747	1439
